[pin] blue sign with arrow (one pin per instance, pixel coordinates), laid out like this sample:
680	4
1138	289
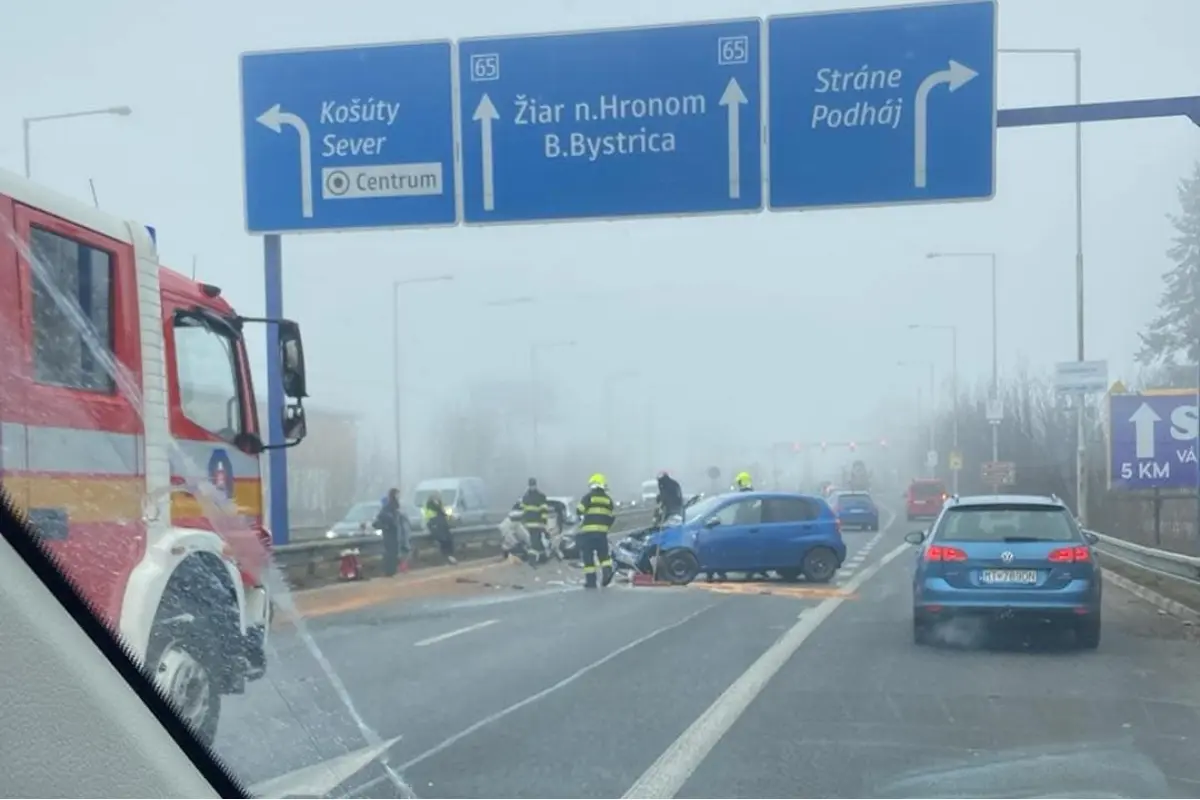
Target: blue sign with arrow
1152	441
883	106
351	137
616	123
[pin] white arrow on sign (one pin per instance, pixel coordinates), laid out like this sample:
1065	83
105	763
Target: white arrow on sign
1144	420
275	118
485	115
955	77
733	99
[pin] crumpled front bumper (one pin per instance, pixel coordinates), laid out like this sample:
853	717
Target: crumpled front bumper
630	554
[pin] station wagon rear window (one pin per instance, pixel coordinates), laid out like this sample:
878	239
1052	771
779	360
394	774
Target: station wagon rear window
924	491
1007	523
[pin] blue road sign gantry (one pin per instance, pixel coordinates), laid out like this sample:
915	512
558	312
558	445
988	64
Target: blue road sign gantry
353	137
1152	441
615	123
882	106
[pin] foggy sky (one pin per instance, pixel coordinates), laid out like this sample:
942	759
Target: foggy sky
791	323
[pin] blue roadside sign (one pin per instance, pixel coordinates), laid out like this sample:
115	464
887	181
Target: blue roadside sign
1152	441
349	137
882	106
616	123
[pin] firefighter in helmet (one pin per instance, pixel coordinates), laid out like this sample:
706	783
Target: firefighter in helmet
596	520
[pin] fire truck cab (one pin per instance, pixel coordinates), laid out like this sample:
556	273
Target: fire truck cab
129	434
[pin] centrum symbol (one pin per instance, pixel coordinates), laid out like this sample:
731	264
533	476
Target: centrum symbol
337	183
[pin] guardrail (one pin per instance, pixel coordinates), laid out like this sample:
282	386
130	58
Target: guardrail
316	561
1162	562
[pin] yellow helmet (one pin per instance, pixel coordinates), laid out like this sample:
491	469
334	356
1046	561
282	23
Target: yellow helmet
742	481
598	481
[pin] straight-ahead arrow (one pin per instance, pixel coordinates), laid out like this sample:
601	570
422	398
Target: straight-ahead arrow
733	99
955	76
1144	420
275	118
485	114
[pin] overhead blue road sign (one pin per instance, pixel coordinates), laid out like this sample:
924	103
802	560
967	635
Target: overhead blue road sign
356	137
1152	441
618	123
882	106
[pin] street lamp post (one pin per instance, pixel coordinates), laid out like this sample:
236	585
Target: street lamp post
534	401
953	330
1077	55
27	123
396	355
995	392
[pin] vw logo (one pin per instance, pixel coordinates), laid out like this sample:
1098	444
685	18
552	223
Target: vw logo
1006	556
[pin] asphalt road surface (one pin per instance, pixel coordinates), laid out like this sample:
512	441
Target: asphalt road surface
730	690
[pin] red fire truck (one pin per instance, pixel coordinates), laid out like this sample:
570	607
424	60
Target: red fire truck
146	490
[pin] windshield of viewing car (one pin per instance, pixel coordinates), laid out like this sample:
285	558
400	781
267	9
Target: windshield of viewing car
513	235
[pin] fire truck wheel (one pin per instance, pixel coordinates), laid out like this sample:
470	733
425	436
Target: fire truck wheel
190	688
186	654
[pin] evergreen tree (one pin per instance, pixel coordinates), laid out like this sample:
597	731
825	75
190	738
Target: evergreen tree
1176	330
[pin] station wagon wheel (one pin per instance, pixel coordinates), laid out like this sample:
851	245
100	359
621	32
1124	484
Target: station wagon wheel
679	567
819	565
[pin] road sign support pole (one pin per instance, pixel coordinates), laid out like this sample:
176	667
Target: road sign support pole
396	382
277	459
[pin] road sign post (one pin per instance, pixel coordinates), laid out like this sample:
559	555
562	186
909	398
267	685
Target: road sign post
614	123
883	106
340	138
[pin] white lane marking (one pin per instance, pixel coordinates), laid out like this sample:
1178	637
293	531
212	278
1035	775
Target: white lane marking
533	698
670	771
443	637
320	779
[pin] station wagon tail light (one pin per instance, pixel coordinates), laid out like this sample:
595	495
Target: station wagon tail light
938	552
1070	555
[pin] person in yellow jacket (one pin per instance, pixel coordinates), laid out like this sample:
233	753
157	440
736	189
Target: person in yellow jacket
438	524
742	482
596	520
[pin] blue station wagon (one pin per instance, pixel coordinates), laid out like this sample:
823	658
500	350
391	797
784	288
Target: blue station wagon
793	535
1002	558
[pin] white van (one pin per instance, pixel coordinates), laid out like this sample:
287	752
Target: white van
649	492
465	499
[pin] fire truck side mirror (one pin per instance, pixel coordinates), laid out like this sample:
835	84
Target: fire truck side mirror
291	359
295	426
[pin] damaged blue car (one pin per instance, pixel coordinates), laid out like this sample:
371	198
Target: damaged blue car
792	535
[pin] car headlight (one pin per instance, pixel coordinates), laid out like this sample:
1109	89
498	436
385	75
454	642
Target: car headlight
330	534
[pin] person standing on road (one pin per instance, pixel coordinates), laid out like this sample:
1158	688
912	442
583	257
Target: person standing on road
438	525
596	520
535	512
393	527
670	496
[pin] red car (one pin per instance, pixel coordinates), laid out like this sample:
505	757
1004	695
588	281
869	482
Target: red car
925	498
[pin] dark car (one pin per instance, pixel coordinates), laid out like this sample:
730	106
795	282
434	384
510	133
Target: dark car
1010	558
856	510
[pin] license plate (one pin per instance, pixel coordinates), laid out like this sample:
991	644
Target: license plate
1008	576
